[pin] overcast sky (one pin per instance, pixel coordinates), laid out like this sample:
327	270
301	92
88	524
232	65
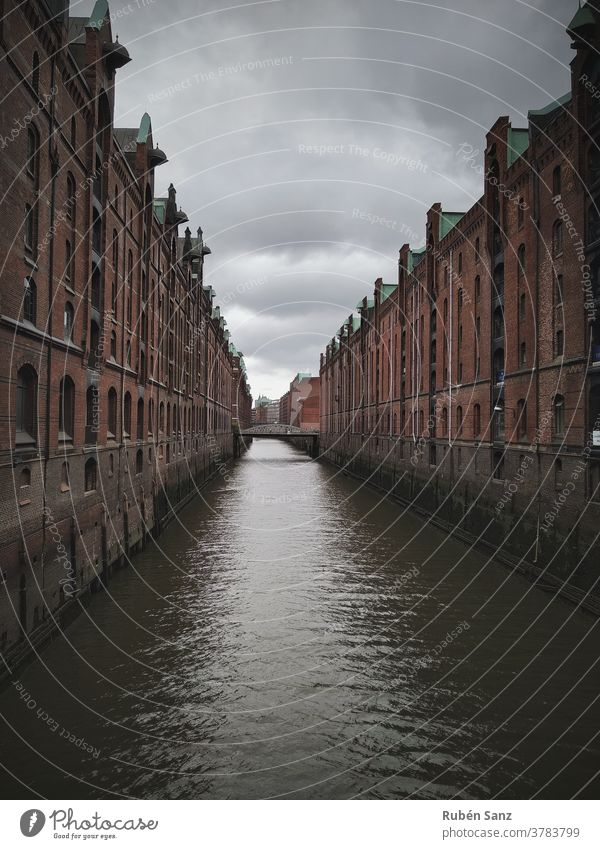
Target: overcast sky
393	87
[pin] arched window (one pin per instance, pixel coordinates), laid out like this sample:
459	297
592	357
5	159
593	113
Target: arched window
68	319
557	238
498	323
30	229
91	415
140	418
169	419
112	412
558	468
459	420
29	300
521	418
127	415
559	415
25	477
151	416
476	420
556	181
161	416
91	475
26	407
66	409
68	276
71	198
139	462
35	72
32	154
521	262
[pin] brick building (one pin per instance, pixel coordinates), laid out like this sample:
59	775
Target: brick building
267	410
472	385
299	406
117	372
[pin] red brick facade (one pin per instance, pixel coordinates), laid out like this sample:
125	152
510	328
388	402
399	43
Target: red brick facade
117	372
476	379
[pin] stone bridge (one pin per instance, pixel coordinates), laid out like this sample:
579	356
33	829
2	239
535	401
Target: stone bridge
282	431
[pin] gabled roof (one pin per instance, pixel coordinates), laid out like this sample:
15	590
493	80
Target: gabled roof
99	14
518	142
448	220
388	289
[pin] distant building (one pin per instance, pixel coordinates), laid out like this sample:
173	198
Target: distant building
300	406
267	410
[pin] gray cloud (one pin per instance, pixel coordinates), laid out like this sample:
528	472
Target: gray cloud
241	95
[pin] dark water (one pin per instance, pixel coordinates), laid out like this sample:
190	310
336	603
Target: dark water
288	636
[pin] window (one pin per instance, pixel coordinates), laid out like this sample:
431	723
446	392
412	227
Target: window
30	229
559	415
91	415
139	462
556	181
112	412
25	477
127	414
29	300
477	288
558	290
68	263
558	468
476	420
560	344
460	300
521	418
140	419
68	319
521	262
32	154
71	198
445	421
522	354
66	409
35	72
161	416
26	408
557	238
115	251
459	420
113	345
522	307
498	462
91	473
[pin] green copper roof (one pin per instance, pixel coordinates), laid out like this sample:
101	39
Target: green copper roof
554	104
99	14
159	206
448	220
518	142
583	18
388	289
144	130
355	322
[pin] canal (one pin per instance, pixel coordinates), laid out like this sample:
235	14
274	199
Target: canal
294	634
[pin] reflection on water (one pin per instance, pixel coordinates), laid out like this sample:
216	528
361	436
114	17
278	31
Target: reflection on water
294	634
